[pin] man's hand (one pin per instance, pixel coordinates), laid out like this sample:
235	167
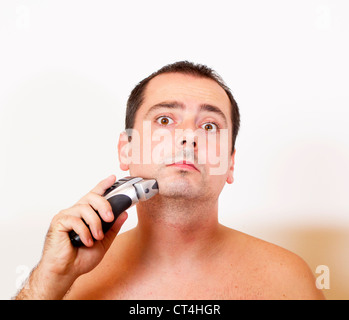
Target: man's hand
61	263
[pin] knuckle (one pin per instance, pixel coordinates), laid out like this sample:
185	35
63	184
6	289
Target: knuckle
56	218
82	209
84	206
84	199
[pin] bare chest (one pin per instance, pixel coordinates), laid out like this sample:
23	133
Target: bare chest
217	284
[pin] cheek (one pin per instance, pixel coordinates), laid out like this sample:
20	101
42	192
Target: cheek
212	146
218	153
162	146
150	146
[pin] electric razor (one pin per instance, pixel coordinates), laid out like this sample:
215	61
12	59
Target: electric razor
123	194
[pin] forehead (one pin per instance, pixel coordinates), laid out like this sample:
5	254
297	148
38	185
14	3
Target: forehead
190	90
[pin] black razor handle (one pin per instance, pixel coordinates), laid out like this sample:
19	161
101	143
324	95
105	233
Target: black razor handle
119	204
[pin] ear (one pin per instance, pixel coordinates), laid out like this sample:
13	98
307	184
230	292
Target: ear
230	177
124	151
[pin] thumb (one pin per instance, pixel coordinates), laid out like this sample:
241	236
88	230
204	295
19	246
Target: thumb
114	230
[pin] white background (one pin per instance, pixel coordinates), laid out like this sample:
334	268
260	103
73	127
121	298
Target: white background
67	68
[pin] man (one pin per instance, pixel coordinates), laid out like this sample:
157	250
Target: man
178	250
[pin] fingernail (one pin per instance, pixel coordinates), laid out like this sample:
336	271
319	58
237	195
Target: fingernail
110	215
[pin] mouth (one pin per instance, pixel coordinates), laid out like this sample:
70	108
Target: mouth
184	165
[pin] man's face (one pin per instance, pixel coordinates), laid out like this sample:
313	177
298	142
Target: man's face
182	137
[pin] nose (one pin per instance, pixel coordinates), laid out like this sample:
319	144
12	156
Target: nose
186	135
187	139
183	142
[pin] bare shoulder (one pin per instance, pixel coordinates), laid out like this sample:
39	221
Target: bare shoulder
282	273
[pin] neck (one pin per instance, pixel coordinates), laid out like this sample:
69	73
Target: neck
170	230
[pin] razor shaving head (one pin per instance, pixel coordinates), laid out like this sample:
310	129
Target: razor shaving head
146	189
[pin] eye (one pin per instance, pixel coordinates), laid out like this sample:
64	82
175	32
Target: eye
210	126
164	120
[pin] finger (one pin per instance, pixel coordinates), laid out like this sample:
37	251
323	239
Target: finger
92	219
114	230
100	204
67	223
101	187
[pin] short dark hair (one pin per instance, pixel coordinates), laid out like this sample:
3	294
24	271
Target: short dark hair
136	97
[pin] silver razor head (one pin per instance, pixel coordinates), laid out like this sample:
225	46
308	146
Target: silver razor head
146	189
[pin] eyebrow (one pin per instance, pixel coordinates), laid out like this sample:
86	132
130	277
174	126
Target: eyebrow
181	106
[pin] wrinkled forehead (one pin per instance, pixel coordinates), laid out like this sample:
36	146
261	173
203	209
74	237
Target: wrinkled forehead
189	90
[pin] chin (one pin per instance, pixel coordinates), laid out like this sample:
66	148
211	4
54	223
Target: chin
179	186
174	183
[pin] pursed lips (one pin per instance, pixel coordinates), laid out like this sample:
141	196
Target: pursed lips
184	165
